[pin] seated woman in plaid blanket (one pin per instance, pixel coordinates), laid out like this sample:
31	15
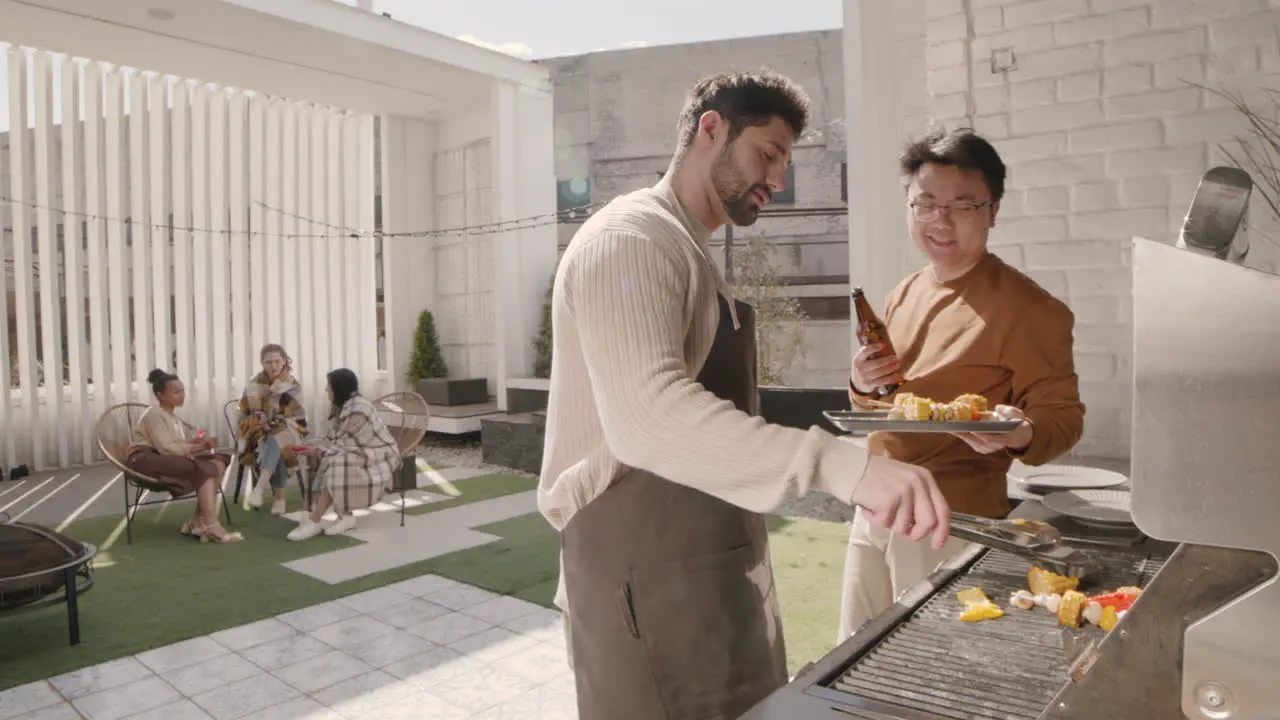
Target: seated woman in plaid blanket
356	461
272	422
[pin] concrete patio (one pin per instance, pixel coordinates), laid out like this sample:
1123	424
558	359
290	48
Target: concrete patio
424	648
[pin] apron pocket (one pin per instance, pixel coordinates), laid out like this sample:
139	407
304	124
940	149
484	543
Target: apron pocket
708	631
628	609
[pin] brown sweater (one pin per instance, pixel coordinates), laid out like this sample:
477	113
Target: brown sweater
993	332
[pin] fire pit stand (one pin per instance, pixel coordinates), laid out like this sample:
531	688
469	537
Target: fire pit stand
32	580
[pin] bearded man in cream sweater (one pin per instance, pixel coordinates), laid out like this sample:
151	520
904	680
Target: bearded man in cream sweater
656	465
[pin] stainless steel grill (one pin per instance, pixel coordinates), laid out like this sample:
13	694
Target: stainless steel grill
1004	669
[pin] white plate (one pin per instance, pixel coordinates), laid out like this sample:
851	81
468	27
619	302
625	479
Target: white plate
1069	477
1093	507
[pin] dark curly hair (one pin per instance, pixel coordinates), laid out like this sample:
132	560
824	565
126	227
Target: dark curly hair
744	100
962	148
160	379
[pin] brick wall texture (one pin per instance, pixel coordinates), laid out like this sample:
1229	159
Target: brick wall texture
1106	136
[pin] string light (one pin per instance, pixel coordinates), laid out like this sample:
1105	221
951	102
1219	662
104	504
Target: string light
524	223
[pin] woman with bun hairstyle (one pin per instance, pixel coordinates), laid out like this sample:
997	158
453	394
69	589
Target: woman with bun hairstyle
168	449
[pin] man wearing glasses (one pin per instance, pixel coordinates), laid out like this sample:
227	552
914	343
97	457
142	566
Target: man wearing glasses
966	323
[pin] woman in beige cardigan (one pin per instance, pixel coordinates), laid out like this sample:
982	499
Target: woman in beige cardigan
168	449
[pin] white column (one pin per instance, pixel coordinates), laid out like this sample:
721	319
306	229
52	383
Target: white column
408	263
524	187
877	219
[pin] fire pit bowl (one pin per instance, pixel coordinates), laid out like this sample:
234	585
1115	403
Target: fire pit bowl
40	567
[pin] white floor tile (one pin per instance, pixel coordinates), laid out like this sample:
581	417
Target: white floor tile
245	697
539	663
461	597
320	672
125	700
409	613
256	633
493	644
351	631
101	677
285	651
373	600
435	665
181	654
538	704
379	652
317	616
181	710
63	711
424	585
448	629
363	694
299	708
16	702
211	674
422	705
541	621
480	690
502	609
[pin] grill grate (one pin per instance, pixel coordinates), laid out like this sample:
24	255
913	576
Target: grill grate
1005	669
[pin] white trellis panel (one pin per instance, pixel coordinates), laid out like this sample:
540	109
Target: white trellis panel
21	214
166	222
46	174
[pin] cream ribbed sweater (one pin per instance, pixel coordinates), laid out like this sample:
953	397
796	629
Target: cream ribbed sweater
635	313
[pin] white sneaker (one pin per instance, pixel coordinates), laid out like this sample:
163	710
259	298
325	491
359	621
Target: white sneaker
255	494
345	524
277	508
305	530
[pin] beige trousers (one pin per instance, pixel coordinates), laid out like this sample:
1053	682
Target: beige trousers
879	565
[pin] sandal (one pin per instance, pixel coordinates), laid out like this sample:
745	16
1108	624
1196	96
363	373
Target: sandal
190	526
218	534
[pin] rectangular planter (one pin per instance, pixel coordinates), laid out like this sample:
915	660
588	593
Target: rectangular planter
802	407
527	394
446	391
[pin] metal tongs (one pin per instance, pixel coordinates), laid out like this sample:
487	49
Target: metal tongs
1037	541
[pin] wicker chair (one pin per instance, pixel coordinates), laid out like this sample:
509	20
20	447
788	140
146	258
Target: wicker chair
231	413
114	431
406	415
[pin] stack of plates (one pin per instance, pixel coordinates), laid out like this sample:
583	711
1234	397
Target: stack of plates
1080	493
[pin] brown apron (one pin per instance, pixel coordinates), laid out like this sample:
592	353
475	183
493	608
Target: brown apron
672	609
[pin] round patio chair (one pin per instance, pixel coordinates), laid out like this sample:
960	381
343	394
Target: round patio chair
114	432
406	415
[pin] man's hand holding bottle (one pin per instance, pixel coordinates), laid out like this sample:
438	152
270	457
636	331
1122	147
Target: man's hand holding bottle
875	366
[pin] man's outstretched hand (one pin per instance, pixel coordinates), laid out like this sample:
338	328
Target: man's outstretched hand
905	499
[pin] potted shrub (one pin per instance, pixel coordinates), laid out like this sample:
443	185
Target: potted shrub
428	371
530	394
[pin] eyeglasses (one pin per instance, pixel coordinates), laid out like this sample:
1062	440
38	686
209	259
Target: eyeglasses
926	211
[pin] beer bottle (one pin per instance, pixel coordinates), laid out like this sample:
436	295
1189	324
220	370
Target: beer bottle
871	330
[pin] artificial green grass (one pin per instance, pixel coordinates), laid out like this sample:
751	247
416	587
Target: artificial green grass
165	587
808	569
461	492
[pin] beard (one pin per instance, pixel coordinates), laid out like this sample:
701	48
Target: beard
734	191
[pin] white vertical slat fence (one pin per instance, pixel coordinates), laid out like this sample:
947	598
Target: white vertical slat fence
165	222
50	320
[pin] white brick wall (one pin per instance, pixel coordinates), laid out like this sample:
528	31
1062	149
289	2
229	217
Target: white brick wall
1104	139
